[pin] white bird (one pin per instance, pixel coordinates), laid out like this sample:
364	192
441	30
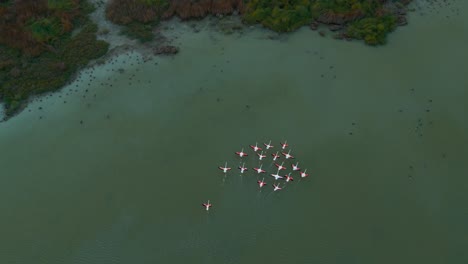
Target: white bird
261	156
242	168
304	174
275	156
255	148
277	176
207	205
289	177
225	168
268	146
241	153
295	167
259	170
261	183
284	145
276	187
288	155
280	167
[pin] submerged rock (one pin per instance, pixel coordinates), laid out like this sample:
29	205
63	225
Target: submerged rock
335	27
314	25
401	20
166	49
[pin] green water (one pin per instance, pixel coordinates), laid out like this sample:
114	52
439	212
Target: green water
118	176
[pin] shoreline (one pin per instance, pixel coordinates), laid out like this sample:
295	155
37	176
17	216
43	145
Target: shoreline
227	22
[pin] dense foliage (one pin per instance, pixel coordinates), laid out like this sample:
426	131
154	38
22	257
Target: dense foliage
372	30
367	19
38	52
138	16
279	15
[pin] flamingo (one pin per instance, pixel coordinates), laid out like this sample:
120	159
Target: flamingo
225	169
289	177
304	174
255	148
284	145
275	156
261	156
295	167
276	176
207	205
259	170
280	167
268	146
261	183
241	153
276	187
288	155
242	168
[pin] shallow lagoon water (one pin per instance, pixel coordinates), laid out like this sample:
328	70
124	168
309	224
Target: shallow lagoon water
118	176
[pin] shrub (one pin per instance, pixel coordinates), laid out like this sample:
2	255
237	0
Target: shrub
45	29
279	15
372	30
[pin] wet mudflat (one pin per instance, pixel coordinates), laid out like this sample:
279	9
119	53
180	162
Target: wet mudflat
114	168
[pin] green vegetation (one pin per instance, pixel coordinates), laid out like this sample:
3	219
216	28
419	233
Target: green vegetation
345	6
372	30
279	15
364	19
65	5
140	31
45	29
50	56
137	16
38	52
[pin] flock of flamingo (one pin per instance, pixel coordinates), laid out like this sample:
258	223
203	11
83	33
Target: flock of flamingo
261	156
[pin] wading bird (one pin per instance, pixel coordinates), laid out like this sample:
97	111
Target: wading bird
261	183
284	145
276	187
242	168
259	170
276	176
207	205
275	156
261	156
280	167
268	146
288	155
295	167
225	168
241	153
255	148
